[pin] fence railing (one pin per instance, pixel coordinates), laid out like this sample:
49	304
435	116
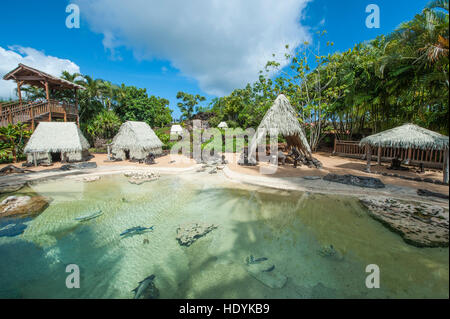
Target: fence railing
27	111
429	158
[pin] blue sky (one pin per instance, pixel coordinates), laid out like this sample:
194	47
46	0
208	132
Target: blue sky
193	46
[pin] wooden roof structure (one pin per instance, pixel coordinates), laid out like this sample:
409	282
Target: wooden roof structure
34	77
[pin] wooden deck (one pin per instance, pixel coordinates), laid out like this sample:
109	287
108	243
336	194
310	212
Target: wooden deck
37	111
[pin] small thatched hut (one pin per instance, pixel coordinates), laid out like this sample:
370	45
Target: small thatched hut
281	119
57	141
135	140
407	136
222	125
175	131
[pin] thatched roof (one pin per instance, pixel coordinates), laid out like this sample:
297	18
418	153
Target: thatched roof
136	136
36	77
407	136
281	118
222	125
176	129
56	137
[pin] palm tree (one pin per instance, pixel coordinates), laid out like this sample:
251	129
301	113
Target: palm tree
109	93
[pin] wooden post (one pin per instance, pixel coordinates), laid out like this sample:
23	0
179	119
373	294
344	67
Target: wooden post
379	156
76	107
32	118
369	157
47	95
408	159
334	148
34	159
19	92
446	168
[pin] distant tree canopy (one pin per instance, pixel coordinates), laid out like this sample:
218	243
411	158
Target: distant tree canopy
135	105
188	103
393	79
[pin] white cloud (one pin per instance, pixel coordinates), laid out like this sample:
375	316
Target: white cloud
221	43
13	55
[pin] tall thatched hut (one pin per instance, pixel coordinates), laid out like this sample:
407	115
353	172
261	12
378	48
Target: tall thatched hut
57	141
135	140
407	136
281	119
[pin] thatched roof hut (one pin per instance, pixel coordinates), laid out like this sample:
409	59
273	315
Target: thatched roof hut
407	136
222	125
175	131
135	140
57	141
281	119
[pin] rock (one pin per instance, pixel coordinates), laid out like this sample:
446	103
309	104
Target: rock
329	251
425	192
10	169
11	188
265	271
23	206
213	171
89	179
189	233
361	181
81	165
419	224
138	177
312	178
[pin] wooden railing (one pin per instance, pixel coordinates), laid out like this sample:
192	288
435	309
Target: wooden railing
24	112
430	158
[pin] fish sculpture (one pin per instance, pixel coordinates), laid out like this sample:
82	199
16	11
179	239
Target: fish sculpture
12	230
136	230
146	289
89	216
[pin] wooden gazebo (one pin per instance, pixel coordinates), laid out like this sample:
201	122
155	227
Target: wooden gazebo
408	137
43	110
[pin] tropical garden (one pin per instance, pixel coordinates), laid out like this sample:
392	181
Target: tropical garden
376	85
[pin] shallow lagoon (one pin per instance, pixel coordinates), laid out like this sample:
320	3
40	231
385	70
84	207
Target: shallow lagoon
287	227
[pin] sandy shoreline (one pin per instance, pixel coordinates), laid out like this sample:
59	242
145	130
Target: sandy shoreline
286	177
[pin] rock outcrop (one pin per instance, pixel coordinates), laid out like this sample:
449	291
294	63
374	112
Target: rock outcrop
81	165
330	252
89	179
23	206
189	233
139	178
419	224
265	271
361	181
11	188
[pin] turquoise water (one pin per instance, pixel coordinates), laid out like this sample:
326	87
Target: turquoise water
287	227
